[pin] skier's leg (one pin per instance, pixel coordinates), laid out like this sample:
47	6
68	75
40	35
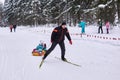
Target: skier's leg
83	29
107	31
10	29
62	46
50	49
99	30
14	29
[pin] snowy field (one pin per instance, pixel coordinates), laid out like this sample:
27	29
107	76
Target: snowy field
98	54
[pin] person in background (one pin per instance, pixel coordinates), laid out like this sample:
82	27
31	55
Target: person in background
82	24
100	26
11	27
14	27
107	26
57	37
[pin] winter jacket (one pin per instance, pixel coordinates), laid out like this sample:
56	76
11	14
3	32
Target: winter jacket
82	24
11	26
40	47
58	34
107	25
100	23
14	26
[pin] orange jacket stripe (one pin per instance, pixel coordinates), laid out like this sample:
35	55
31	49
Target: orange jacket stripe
55	30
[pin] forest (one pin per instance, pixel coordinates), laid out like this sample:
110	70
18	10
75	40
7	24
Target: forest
37	12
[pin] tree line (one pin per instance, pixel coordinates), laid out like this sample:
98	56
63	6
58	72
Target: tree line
36	12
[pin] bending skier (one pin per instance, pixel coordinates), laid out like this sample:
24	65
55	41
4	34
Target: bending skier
57	37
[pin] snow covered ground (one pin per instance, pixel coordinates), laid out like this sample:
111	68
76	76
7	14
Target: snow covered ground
99	57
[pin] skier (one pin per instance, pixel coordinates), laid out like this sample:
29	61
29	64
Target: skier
107	26
100	26
57	37
82	25
11	27
14	27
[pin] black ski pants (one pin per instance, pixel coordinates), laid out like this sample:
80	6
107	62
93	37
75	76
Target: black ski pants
62	47
107	31
100	28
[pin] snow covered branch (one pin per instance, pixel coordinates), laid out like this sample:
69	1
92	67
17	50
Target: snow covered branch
63	12
99	6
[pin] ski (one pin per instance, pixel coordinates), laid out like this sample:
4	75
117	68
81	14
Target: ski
41	63
70	62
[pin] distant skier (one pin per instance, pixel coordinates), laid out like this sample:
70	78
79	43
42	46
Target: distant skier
14	27
107	26
82	25
11	27
100	26
57	37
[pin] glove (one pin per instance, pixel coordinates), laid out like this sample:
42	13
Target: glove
70	42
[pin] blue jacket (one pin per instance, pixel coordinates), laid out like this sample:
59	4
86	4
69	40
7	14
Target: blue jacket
40	47
82	24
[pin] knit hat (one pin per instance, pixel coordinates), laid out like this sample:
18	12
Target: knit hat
63	23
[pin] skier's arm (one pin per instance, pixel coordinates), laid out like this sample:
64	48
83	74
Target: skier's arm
68	35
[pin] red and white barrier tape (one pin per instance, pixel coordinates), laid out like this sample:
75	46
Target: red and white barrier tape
96	36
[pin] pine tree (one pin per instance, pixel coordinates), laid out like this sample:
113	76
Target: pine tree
36	12
1	14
